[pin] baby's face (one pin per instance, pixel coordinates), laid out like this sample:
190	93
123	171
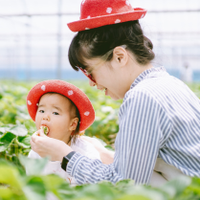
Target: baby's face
54	112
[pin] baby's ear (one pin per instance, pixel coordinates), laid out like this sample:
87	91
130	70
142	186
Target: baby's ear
73	124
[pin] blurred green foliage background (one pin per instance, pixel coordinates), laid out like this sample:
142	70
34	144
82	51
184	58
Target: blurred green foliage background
16	128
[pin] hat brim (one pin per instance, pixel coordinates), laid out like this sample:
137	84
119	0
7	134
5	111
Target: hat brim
95	22
79	98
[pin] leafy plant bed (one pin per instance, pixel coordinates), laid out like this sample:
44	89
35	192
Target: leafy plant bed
16	128
15	184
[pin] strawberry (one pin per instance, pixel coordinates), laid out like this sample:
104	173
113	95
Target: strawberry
45	129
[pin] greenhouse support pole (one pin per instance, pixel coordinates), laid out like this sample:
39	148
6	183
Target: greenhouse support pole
59	53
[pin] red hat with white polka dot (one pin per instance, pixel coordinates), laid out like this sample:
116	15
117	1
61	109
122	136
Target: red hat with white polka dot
97	13
79	98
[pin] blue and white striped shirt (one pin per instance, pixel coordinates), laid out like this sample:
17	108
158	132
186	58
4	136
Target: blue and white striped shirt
159	117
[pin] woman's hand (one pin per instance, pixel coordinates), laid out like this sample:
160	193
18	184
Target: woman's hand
107	156
46	146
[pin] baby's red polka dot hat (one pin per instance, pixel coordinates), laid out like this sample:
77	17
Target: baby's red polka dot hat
78	97
97	13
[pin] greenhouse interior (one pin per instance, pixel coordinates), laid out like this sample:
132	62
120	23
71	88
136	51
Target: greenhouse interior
34	44
35	37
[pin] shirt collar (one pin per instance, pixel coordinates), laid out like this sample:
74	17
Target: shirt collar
144	74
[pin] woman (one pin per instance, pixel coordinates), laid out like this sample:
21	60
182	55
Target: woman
159	116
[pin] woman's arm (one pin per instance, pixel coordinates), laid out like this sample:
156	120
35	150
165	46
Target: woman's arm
136	145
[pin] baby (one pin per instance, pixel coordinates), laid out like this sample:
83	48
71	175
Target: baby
64	112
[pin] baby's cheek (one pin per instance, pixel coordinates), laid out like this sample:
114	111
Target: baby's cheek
37	124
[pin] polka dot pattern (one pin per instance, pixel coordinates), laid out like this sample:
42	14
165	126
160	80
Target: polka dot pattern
117	21
70	92
43	87
87	113
109	10
97	13
127	3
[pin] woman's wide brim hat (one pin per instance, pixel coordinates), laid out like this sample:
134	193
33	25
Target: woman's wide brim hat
97	13
78	97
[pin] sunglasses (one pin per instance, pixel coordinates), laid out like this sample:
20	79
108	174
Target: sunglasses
87	74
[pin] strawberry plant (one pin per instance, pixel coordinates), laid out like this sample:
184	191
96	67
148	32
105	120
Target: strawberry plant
15	184
16	128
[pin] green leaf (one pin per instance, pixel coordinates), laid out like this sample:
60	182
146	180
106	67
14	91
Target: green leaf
10	175
4	129
6	140
103	190
54	183
133	197
30	126
19	130
125	185
176	186
5	192
24	141
147	192
66	191
3	146
33	166
35	188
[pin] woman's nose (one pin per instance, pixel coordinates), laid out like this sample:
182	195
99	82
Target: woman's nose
92	83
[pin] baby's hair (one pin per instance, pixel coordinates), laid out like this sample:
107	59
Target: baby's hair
73	107
75	133
100	42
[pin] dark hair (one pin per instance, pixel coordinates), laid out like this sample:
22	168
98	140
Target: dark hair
100	41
